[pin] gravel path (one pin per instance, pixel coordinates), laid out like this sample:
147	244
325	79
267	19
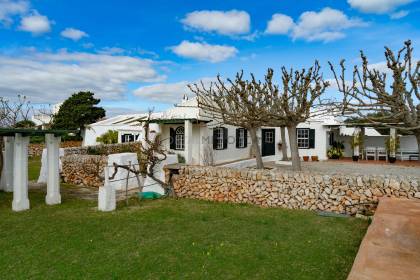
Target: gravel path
329	167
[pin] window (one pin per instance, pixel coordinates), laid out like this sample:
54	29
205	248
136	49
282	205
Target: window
127	138
269	137
219	138
303	138
179	138
241	138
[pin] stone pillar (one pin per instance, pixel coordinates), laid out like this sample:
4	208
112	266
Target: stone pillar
53	163
20	173
106	196
188	141
7	180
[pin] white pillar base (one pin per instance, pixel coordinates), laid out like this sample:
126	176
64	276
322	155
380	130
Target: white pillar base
107	200
7	175
20	173
53	162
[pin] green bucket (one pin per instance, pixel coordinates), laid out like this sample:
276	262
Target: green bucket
149	195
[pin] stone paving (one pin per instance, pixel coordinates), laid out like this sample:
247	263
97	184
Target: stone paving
343	167
390	249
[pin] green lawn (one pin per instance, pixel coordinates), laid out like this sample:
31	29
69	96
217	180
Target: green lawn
34	167
173	239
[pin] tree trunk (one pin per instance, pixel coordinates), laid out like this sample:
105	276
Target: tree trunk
294	148
283	143
256	147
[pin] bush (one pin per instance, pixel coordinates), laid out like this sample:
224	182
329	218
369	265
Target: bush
109	137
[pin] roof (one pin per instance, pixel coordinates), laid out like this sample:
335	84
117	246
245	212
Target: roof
33	132
369	131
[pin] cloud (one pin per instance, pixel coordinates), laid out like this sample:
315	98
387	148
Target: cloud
8	9
280	24
377	6
398	15
52	76
204	51
35	23
73	34
226	23
326	25
168	92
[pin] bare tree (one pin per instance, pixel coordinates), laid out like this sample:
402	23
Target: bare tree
390	97
296	101
238	102
10	114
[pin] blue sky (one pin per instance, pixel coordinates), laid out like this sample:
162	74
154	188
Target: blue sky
140	54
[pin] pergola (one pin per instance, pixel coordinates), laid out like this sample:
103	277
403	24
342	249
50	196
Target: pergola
15	167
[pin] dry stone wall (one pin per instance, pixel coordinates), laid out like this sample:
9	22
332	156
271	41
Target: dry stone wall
87	170
348	194
103	149
35	149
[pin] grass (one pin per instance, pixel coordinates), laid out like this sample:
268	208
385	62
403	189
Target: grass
173	239
34	167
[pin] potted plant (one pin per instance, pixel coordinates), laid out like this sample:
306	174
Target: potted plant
336	151
356	143
306	158
392	144
314	158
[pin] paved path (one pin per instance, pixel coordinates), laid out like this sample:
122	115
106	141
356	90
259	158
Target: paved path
390	249
343	167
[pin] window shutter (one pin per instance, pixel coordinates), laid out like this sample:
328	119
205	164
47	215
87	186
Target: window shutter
225	138
311	138
214	139
172	144
246	137
237	137
122	138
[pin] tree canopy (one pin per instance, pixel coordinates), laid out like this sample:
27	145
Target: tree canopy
77	111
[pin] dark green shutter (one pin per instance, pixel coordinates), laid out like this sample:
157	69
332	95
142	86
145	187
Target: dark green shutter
214	139
172	144
311	138
246	137
225	138
238	130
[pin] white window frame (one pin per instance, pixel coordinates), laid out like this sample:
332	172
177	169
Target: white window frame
127	138
302	135
180	138
219	138
242	138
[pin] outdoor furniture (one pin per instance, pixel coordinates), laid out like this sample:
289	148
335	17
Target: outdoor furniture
407	155
381	153
370	152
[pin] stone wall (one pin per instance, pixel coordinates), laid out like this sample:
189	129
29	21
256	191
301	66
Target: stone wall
87	170
103	149
35	149
348	194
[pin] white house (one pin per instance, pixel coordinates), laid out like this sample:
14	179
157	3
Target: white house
186	131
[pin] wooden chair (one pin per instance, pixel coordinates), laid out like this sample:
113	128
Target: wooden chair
370	152
381	153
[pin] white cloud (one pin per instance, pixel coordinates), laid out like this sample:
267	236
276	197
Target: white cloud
377	6
204	51
227	23
52	76
35	23
9	8
326	25
398	15
169	92
73	34
279	24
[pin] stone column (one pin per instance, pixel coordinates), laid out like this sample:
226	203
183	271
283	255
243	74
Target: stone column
53	163
188	141
9	142
20	173
106	196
